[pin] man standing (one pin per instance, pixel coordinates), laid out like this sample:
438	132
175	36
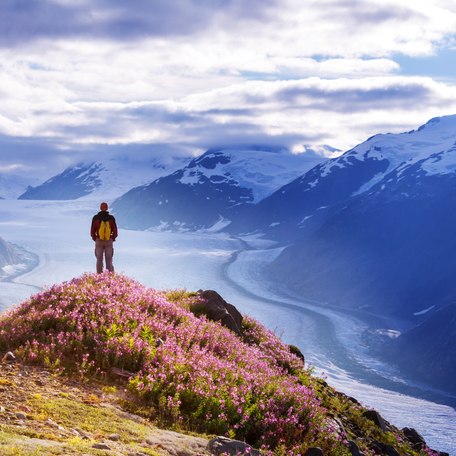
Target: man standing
104	233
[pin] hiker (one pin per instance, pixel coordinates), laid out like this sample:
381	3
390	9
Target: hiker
104	233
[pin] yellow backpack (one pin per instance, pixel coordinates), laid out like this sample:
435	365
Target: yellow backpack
104	232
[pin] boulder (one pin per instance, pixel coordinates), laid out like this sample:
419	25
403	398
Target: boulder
175	444
314	451
374	416
354	449
101	446
385	449
217	309
9	358
223	445
414	438
296	351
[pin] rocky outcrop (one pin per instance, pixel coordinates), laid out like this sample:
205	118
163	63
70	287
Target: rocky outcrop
223	445
217	309
376	418
414	438
314	451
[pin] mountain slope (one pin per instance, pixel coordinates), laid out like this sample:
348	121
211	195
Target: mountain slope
310	199
387	251
107	178
388	247
434	340
72	183
211	187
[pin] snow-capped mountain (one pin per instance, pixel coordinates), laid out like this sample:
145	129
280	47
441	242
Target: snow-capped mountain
388	200
74	182
12	185
303	203
374	230
211	187
105	179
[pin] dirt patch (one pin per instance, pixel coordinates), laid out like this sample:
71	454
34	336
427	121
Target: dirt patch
45	414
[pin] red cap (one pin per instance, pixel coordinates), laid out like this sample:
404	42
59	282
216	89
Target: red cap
104	206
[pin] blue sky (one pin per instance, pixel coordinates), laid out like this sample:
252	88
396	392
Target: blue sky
89	77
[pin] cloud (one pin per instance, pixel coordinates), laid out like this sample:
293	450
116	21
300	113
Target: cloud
29	20
312	110
108	74
273	27
369	94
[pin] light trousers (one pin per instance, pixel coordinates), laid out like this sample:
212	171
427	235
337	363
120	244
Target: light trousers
104	250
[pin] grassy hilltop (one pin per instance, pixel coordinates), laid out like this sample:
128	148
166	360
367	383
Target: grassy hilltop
154	355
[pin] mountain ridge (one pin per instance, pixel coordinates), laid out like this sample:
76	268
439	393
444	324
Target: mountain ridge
287	212
211	188
106	177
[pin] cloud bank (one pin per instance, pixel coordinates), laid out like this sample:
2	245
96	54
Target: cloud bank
189	75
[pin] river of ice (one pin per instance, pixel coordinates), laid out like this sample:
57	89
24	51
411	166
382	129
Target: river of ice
57	233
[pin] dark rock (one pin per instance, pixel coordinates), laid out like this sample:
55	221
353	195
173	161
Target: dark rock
374	416
314	451
114	437
296	351
414	438
388	450
352	399
375	447
354	450
223	445
217	309
100	446
21	416
426	352
159	342
9	358
384	449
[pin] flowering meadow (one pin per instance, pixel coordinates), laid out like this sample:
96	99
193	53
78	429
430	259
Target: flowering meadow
189	372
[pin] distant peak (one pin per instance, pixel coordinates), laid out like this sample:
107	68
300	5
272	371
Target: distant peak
251	147
443	121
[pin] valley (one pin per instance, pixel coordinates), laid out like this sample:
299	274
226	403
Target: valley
166	260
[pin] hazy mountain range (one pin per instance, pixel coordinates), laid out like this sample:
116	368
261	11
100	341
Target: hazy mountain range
105	178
